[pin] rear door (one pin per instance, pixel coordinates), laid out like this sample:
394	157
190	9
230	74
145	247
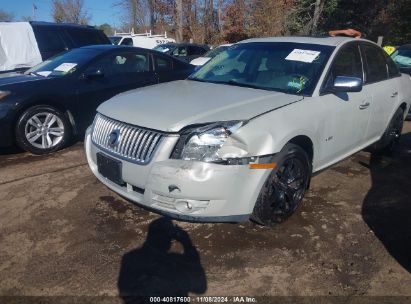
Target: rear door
121	71
382	88
163	67
347	114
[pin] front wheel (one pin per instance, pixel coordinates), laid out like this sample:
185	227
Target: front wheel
42	130
284	189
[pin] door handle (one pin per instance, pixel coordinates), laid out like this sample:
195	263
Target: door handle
395	94
364	105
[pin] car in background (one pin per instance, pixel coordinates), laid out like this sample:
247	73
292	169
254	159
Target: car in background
44	108
183	51
210	54
25	44
249	128
402	58
145	40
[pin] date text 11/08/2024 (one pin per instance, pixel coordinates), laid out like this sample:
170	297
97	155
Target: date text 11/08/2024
204	299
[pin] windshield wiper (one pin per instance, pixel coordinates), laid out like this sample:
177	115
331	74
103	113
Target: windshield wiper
245	85
197	79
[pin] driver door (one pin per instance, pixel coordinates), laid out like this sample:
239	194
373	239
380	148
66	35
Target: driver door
347	114
120	72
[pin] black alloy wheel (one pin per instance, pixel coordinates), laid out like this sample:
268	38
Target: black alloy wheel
392	134
284	189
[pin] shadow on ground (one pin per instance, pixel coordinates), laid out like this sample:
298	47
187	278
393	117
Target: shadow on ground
158	268
387	207
10	150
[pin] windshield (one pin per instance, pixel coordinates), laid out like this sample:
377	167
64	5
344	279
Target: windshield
115	40
214	52
402	57
63	63
164	48
278	66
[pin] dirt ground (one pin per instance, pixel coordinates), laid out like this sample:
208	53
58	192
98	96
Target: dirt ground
63	233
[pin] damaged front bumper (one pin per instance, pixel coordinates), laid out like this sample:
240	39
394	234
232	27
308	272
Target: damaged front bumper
186	190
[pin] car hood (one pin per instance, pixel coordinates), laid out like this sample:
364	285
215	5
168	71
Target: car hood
12	78
172	106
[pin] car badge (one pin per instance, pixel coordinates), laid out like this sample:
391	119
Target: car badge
113	138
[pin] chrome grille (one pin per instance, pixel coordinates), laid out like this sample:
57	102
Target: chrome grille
132	143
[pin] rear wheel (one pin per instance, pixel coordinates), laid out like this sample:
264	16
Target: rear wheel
42	130
284	189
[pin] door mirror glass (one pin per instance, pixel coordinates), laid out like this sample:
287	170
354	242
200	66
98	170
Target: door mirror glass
347	84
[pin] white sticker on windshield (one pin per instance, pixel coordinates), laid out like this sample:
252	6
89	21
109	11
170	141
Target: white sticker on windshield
44	73
65	67
303	55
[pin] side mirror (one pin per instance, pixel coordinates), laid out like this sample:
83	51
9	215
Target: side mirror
347	84
93	74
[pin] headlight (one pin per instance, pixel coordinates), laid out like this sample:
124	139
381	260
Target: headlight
203	143
4	94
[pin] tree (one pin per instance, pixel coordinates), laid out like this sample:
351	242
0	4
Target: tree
71	11
179	20
307	16
6	16
269	17
235	21
27	18
106	28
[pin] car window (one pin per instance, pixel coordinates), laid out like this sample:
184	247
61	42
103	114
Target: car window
163	48
195	50
393	70
49	39
180	51
163	64
276	66
123	63
214	52
127	41
346	63
64	63
82	37
402	57
376	64
114	40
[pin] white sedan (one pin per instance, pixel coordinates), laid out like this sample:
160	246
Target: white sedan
242	136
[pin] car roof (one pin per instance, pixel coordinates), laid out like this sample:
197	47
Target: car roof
405	46
107	47
185	44
322	40
73	25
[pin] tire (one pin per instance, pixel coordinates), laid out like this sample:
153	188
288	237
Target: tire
42	129
280	197
392	134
